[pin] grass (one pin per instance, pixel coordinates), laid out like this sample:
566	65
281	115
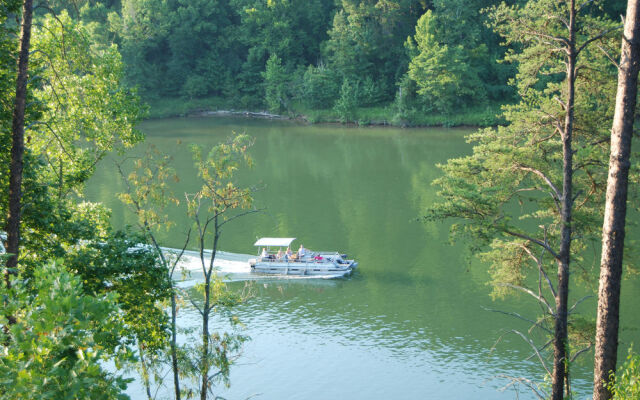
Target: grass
483	116
478	116
379	115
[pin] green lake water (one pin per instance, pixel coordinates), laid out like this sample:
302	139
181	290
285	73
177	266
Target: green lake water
411	323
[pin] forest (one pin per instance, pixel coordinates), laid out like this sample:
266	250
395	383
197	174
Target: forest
388	62
540	79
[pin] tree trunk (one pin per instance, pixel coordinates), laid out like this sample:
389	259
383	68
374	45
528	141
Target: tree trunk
206	309
205	341
174	355
17	148
560	332
145	371
606	349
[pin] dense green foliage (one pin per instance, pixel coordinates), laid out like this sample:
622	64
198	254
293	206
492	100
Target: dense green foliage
68	321
228	49
108	303
79	111
442	74
447	64
275	85
626	383
60	337
194	51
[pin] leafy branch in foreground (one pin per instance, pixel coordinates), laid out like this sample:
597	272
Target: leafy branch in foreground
625	383
148	194
219	200
60	339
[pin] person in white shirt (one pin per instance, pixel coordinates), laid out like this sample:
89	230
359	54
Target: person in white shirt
264	253
302	251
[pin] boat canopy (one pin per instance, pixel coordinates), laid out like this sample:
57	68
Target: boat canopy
281	242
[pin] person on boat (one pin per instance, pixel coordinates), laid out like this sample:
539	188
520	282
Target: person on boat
264	253
301	251
279	255
318	257
288	252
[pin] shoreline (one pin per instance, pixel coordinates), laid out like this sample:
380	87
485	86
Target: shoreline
233	113
303	118
383	116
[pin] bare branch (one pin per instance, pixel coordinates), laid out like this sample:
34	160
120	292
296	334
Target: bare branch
541	299
562	103
598	36
578	194
242	214
559	18
534	387
543	176
581	351
527	189
583	5
195	305
513	314
537	34
544	346
578	303
179	255
541	269
536	241
606	53
526	339
58	138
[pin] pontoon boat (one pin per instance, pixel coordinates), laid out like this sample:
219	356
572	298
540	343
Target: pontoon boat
306	262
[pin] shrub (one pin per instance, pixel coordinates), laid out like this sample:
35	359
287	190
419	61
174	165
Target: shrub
320	87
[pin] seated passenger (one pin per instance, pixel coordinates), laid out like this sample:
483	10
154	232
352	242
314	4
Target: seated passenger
288	252
318	257
264	253
279	255
301	251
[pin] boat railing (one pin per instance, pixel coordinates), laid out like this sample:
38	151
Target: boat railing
305	259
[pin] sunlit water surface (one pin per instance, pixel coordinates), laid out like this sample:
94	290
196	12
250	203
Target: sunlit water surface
411	323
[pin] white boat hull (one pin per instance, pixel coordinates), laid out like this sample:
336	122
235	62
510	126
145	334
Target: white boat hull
326	267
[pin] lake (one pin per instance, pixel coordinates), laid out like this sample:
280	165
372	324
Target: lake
412	322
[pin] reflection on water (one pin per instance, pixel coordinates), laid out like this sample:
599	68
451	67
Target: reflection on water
409	323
